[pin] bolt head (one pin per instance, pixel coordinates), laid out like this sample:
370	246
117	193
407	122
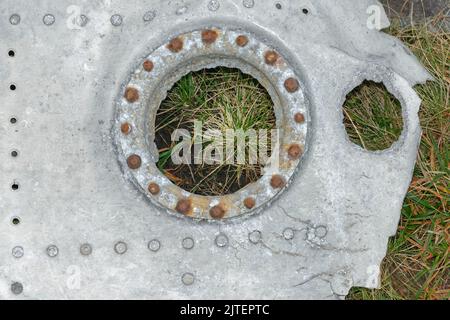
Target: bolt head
125	128
209	36
291	85
134	162
148	65
299	117
277	182
183	206
271	57
242	41
295	151
154	188
217	212
175	45
249	203
131	94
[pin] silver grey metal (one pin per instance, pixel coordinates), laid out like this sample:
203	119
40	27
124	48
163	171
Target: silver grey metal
342	201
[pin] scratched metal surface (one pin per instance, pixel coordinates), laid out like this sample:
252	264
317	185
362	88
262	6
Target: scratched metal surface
326	232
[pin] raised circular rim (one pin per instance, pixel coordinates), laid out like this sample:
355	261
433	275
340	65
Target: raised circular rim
142	93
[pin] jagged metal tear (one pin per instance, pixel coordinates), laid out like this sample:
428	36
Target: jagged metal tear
343	205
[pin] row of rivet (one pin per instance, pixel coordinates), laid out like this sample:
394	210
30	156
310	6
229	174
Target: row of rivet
154	245
117	19
121	247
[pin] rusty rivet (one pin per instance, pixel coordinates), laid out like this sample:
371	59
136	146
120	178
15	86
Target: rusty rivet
131	94
154	188
291	85
241	41
134	162
299	117
271	57
295	151
125	128
277	182
209	36
217	212
249	203
175	45
148	65
183	206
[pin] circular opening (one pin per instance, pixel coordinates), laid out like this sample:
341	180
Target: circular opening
372	116
13	87
224	111
13	120
15	186
15	221
305	11
278	6
14	153
156	132
11	53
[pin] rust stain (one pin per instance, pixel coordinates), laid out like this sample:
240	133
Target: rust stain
291	85
184	206
209	36
277	182
217	212
148	65
176	45
249	203
295	151
131	94
134	162
242	41
271	57
154	188
299	117
125	128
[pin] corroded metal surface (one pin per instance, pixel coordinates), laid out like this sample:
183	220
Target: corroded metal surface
78	223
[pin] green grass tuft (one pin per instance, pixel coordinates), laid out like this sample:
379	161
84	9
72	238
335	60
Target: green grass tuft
222	99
